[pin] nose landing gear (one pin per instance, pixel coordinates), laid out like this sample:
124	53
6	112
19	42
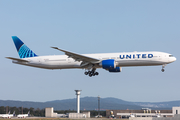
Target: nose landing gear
163	66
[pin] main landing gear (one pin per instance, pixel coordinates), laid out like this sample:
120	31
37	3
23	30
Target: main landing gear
163	66
91	73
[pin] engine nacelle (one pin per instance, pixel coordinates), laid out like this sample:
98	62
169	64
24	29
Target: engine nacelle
108	64
117	69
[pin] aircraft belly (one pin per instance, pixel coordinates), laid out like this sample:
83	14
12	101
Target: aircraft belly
62	66
51	65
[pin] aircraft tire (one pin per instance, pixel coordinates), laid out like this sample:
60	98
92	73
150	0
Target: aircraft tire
86	73
96	73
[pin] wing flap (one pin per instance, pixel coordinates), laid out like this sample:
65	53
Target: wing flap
78	57
17	59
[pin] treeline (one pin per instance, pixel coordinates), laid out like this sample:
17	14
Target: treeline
41	112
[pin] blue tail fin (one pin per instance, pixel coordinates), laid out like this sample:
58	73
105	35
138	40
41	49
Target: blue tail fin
22	49
14	114
28	113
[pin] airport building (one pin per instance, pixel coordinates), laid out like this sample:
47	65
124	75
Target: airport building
49	112
148	113
79	115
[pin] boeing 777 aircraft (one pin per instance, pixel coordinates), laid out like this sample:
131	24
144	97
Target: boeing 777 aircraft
111	62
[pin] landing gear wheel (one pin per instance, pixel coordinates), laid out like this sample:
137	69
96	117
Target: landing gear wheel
86	73
96	73
162	70
90	75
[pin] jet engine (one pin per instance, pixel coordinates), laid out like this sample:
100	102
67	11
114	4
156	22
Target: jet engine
108	64
117	69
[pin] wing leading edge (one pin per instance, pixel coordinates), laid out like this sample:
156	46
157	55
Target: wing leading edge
77	57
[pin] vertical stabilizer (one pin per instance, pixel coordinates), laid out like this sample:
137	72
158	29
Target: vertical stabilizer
28	113
22	49
14	114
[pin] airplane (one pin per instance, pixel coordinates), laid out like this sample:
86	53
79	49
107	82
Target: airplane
8	115
112	62
23	115
4	114
132	115
158	115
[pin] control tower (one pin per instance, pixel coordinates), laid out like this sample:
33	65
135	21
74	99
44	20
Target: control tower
78	92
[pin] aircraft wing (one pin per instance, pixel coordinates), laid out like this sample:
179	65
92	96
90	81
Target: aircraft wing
17	59
78	57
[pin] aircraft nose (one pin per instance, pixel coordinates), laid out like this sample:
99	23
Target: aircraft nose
172	59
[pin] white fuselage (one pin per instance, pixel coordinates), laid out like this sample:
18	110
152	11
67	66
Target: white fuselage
22	115
3	115
123	59
7	116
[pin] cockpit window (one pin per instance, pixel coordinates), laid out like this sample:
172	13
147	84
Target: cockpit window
170	55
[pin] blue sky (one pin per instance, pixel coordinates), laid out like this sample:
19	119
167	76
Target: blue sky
101	26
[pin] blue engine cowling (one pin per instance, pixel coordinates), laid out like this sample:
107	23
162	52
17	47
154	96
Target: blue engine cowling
108	64
117	69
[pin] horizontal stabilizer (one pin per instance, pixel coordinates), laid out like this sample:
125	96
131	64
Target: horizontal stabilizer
17	59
